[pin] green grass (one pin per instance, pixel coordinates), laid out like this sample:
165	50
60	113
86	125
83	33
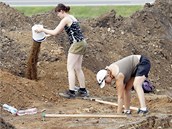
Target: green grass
29	11
92	12
84	11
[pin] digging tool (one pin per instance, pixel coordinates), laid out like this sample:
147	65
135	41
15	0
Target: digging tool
110	103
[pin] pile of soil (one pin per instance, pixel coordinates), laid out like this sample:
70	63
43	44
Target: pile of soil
110	37
12	19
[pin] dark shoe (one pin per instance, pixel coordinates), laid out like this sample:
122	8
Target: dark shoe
81	93
141	112
67	94
127	112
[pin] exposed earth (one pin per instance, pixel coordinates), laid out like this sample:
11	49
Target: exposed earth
110	37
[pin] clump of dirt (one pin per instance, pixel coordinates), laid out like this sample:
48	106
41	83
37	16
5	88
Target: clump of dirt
109	20
110	37
5	125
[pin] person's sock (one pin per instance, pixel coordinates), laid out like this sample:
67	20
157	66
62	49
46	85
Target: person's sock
143	109
127	111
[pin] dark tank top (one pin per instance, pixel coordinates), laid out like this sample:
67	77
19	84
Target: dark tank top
74	32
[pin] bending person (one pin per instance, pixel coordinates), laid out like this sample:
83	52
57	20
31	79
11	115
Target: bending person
127	72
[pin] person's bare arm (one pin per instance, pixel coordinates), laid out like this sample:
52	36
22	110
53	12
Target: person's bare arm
119	78
57	30
120	91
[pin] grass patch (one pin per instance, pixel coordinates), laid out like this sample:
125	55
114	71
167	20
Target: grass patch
29	11
85	11
96	11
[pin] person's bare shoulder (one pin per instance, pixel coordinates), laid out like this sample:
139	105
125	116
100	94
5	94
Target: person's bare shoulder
114	69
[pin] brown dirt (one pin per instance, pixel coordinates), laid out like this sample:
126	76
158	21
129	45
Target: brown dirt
31	72
110	37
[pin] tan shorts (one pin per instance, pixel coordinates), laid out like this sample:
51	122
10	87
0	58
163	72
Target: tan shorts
78	48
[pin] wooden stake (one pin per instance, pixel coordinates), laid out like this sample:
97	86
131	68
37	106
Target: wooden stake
114	104
84	115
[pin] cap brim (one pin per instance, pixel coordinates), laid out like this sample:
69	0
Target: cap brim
102	84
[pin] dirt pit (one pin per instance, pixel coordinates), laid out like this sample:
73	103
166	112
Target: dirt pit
110	37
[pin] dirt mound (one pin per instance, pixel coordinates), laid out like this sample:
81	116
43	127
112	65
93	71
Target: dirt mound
12	19
110	37
11	54
48	19
24	92
146	32
109	20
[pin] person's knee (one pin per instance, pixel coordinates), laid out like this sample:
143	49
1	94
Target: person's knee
70	68
78	68
138	82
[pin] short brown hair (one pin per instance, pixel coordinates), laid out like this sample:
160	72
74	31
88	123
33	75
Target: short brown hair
60	7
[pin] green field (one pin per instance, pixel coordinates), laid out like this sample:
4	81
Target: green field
84	11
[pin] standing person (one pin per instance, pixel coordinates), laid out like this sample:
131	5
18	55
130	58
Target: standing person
76	51
127	72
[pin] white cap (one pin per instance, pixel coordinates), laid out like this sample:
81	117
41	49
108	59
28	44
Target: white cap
101	77
38	37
